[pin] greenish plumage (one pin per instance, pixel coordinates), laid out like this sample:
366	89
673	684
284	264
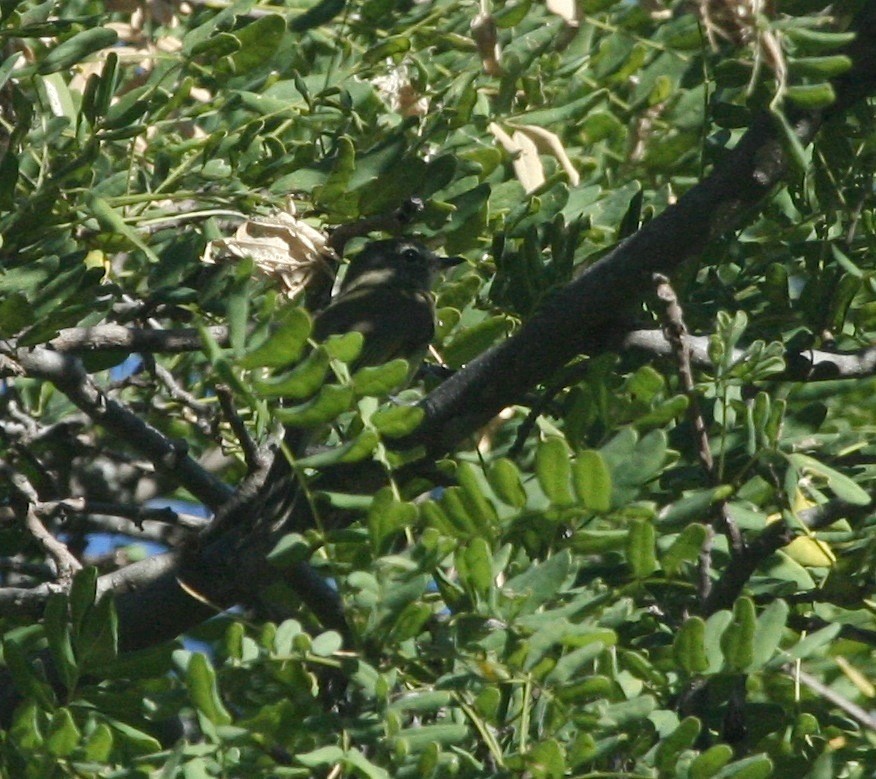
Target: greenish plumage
386	296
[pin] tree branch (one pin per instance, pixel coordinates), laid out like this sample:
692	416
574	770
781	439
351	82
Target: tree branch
772	538
585	311
811	365
169	457
133	339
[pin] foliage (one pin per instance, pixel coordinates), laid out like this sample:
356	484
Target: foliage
541	613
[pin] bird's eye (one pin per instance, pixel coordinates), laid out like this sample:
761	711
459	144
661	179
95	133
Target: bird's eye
410	255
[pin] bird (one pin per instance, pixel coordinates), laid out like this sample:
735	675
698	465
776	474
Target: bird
386	296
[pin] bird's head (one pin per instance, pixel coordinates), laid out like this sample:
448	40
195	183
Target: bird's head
396	262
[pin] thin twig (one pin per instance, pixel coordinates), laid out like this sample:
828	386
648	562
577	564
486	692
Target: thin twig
170	457
200	411
840	701
65	562
251	452
772	538
390	223
675	331
704	567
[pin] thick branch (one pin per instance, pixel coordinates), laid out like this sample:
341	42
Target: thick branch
133	339
582	315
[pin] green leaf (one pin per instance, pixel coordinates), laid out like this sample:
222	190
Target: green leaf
756	767
599	541
8	66
96	643
410	621
335	193
132	740
387	516
15	314
301	382
201	683
716	625
345	347
627	713
707	764
360	448
397	421
693	506
475	564
768	635
99	743
640	548
592	480
737	641
554	471
82	594
547	759
112	222
107	84
817	40
574	663
569	112
257	41
379	380
689	649
56	620
422	701
842	486
332	401
290	549
417	738
75	49
324	11
480	509
451	515
398	44
505	481
633	462
63	736
471	341
684	549
324	756
25	676
813	642
326	644
820	67
670	747
284	345
811	96
542	580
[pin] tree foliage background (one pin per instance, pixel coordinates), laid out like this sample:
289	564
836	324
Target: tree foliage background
656	561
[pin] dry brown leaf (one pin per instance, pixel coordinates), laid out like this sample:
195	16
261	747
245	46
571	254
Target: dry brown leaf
565	9
550	143
527	165
281	245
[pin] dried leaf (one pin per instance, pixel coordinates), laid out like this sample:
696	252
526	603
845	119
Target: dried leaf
281	245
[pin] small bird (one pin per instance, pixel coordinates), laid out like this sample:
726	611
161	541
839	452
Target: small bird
386	296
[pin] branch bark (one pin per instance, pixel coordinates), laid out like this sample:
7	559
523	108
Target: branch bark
585	311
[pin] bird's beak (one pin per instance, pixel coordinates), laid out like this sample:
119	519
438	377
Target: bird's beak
450	262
